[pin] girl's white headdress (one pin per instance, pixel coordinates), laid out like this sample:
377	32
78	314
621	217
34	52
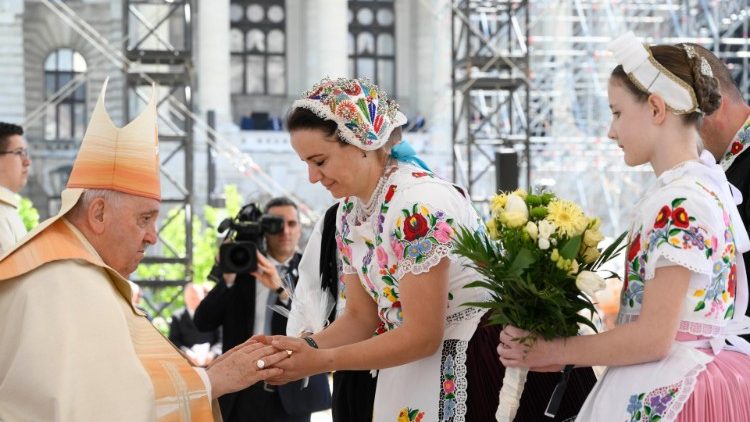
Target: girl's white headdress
650	76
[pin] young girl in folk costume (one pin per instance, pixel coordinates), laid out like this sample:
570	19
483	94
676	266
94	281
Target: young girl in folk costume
685	290
404	287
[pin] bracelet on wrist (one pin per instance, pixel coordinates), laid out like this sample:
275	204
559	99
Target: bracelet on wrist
311	342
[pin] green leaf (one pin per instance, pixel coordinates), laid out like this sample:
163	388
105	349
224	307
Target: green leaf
570	249
674	232
730	312
523	260
677	201
699	306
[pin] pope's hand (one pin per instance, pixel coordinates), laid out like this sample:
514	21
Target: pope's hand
243	366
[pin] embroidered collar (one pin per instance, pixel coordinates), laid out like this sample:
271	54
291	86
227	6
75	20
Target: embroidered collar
739	144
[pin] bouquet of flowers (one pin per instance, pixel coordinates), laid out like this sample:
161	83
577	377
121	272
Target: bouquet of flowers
538	258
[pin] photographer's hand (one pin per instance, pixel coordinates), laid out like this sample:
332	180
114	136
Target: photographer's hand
228	277
266	274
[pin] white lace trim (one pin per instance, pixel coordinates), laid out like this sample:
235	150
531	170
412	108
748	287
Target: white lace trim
689	327
436	255
700	329
462	384
686	390
662	252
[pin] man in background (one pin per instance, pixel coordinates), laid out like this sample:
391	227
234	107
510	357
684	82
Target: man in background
201	347
14	172
239	303
726	134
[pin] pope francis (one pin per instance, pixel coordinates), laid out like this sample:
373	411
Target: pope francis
72	347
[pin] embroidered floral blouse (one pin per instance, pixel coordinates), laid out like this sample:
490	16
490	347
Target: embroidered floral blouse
410	232
682	222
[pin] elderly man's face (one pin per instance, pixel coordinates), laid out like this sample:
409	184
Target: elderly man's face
131	228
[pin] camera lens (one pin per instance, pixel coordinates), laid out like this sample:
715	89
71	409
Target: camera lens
239	256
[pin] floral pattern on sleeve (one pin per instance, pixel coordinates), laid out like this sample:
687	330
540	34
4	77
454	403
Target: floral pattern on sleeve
673	229
420	238
686	240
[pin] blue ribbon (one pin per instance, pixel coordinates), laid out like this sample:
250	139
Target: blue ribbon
403	151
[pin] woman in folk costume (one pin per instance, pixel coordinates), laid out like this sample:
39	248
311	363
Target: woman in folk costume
72	345
404	287
685	290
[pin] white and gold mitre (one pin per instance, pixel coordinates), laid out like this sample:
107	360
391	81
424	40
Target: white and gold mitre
122	159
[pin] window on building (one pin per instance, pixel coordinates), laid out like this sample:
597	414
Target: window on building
372	51
66	118
258	46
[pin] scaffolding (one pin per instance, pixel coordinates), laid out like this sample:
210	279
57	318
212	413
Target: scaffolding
491	90
568	113
158	47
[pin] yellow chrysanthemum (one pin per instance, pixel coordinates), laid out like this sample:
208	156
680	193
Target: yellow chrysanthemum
568	218
497	203
424	211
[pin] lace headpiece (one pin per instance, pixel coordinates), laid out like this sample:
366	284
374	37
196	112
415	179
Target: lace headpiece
363	113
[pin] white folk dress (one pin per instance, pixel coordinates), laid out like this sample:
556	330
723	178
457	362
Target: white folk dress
688	218
409	233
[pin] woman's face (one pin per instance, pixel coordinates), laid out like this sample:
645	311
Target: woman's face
630	120
338	167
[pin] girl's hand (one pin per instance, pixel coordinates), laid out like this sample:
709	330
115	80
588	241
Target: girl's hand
517	350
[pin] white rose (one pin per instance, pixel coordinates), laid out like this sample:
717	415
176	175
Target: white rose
532	230
543	243
592	238
589	283
546	228
516	212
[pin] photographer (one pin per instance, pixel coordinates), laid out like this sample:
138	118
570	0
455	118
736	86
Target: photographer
240	304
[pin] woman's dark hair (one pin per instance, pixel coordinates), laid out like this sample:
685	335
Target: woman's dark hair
675	59
302	118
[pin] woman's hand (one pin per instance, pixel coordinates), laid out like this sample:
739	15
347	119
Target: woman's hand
303	361
239	368
541	355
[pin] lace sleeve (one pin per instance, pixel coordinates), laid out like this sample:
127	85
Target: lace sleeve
677	228
420	227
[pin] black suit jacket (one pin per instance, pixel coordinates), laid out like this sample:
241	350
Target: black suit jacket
184	333
738	174
233	309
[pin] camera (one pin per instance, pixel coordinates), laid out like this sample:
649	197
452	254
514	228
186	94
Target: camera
246	231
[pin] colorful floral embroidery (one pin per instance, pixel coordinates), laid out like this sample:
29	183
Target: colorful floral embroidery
740	143
408	414
419	231
343	240
653	406
448	393
359	105
672	226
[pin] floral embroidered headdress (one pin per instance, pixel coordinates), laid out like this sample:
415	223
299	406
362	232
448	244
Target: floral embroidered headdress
651	77
363	113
